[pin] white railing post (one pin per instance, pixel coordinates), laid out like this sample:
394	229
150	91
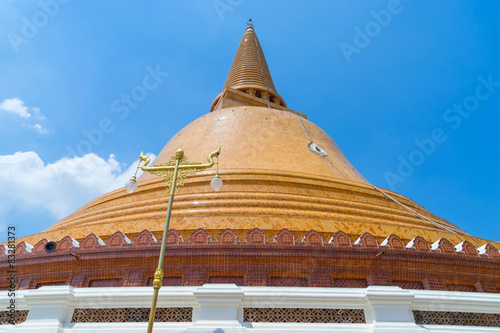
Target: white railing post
388	310
50	308
218	308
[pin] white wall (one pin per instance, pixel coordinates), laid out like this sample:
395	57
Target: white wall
219	308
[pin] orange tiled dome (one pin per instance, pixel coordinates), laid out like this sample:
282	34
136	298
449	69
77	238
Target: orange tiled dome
272	180
279	169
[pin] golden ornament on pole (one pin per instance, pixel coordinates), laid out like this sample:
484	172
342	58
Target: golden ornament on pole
174	171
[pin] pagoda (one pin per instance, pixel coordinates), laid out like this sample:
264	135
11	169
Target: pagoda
293	212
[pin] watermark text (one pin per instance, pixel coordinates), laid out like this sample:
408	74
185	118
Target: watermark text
11	253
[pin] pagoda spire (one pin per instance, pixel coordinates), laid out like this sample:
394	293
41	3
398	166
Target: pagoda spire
250	74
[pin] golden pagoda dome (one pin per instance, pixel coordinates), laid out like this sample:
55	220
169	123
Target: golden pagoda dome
280	171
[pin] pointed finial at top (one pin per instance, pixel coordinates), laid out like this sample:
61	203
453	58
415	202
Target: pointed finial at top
250	75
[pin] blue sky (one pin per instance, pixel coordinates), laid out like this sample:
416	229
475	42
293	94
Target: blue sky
409	90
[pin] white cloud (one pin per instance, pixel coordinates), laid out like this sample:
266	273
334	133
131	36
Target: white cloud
38	114
40	129
60	187
15	106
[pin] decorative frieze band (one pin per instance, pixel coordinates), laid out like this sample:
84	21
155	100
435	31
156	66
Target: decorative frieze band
7	319
456	318
304	315
256	236
129	315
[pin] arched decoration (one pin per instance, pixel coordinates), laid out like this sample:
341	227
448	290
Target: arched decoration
3	250
228	236
284	237
313	238
144	238
342	239
393	242
91	242
40	246
445	246
118	239
67	243
489	250
200	236
256	236
419	244
467	248
174	237
367	240
23	248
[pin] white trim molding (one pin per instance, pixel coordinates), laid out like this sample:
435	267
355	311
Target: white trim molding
220	308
